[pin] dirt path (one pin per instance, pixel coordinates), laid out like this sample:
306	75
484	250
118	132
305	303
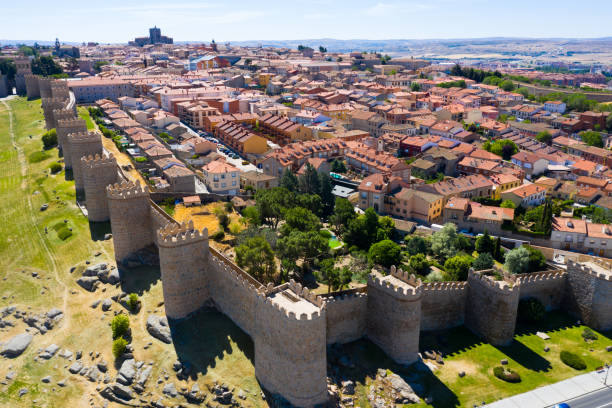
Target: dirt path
32	219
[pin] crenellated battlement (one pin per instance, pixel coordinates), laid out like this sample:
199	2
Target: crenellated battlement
83	137
74	121
501	286
98	161
602	270
405	276
126	190
444	286
541	276
53	101
305	293
283	313
396	286
173	235
63	114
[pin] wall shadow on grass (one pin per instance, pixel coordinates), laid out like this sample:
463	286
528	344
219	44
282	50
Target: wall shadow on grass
140	279
97	230
205	337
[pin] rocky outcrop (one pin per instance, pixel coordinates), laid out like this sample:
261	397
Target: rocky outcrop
16	345
158	328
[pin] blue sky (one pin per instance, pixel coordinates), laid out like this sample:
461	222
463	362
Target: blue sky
120	21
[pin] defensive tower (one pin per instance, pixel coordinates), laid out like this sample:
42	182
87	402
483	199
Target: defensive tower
99	171
82	144
64	128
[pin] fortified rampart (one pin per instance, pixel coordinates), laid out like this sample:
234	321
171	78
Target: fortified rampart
64	127
397	297
81	145
98	172
32	86
44	87
291	327
49	105
499	299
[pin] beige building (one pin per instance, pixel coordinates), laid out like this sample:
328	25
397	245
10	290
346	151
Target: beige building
257	180
221	177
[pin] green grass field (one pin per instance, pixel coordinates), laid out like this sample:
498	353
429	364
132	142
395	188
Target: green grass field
84	114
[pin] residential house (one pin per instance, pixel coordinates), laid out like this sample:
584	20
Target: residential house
475	217
527	195
257	180
221	177
530	163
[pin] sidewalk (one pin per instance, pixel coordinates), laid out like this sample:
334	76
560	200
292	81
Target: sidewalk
555	393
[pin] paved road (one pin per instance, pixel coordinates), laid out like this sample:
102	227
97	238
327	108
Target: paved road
583	391
597	399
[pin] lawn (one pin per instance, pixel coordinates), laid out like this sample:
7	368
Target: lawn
84	114
464	351
334	243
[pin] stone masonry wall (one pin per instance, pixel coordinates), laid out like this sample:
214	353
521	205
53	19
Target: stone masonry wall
443	305
49	105
64	127
32	88
346	317
291	353
394	314
81	145
98	172
183	256
44	87
589	293
491	308
548	287
129	207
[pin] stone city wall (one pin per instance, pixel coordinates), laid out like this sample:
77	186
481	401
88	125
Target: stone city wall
547	286
64	127
589	293
81	145
291	353
443	305
491	308
394	315
98	172
32	86
346	317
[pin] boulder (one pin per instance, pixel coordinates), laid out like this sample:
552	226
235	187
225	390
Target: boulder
122	391
348	387
46	379
143	375
170	389
94	270
102	366
158	328
113	277
93	374
127	372
89	283
16	345
406	394
76	367
53	313
106	305
95	304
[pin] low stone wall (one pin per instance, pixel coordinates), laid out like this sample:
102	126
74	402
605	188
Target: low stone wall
443	305
346	317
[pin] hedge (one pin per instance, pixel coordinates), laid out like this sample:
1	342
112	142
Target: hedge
506	374
572	360
64	233
588	334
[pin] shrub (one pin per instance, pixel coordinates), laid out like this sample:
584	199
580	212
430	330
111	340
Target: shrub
37	157
55	168
234	228
224	221
484	261
385	253
218	236
64	233
572	360
120	325
325	234
132	301
49	139
458	267
506	374
531	310
588	334
119	346
140	159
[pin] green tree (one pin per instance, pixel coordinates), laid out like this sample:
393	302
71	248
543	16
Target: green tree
300	219
537	260
458	267
322	49
251	215
309	181
306	246
325	192
120	325
504	148
311	202
224	220
592	138
415	87
418	264
338	166
119	346
507	204
98	65
544	137
443	242
385	253
497	252
132	301
272	204
257	257
415	244
507	85
45	66
49	138
7	67
484	243
517	260
334	278
289	181
344	212
483	261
